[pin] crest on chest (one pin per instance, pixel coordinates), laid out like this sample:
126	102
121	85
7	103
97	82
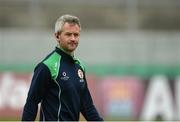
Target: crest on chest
81	75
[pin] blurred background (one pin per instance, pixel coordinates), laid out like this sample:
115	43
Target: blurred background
131	49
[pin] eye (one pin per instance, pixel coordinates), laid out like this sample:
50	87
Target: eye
76	34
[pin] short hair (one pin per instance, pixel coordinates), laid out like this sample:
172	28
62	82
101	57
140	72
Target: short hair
66	19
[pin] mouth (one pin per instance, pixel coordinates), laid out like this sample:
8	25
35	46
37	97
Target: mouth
73	44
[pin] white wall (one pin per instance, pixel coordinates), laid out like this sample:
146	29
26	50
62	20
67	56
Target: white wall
96	46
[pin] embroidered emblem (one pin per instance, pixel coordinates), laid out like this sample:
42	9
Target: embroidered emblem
81	75
64	76
64	73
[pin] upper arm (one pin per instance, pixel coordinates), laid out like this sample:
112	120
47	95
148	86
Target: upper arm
39	82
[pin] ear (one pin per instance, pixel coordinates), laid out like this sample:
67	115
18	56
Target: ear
56	35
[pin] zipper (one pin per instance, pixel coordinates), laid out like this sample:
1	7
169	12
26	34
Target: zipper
42	112
59	100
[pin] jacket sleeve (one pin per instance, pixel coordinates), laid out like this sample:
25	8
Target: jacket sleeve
36	92
88	109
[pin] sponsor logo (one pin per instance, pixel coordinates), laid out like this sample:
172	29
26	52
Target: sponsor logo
64	76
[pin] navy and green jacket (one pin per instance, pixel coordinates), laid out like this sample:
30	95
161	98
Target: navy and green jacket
59	84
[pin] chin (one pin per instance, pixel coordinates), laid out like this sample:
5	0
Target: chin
72	49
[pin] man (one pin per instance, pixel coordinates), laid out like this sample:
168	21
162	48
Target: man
59	82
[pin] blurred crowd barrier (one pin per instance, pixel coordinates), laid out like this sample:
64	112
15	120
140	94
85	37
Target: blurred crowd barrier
154	96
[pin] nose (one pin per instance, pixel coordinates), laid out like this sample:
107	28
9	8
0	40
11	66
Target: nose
73	37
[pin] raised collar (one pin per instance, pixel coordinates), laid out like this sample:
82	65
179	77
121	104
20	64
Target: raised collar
65	55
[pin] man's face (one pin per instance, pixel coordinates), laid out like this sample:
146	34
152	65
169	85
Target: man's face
68	38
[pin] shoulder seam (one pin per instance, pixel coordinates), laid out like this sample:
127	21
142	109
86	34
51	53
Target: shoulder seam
53	63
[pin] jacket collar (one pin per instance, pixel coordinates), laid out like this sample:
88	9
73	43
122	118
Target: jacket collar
64	55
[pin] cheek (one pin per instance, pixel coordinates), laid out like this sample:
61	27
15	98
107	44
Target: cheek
61	39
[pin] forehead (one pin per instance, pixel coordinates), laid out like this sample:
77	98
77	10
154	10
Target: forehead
71	27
